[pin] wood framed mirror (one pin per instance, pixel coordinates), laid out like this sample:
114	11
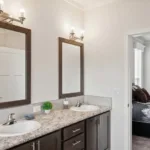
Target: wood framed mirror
71	68
15	65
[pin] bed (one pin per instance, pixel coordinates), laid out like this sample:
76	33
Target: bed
140	121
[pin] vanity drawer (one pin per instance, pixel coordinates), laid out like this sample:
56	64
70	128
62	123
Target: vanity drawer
73	130
76	143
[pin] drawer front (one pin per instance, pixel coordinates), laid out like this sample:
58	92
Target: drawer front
73	130
76	143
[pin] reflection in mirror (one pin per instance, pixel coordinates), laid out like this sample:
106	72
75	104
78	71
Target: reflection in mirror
12	66
71	68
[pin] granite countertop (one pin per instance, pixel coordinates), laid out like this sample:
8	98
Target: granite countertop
56	120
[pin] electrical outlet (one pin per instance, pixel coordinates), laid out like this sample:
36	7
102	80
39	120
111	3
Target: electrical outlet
36	109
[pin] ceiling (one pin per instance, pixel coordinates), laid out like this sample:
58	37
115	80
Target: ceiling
89	4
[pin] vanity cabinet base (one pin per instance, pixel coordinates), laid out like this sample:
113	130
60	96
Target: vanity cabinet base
48	142
90	134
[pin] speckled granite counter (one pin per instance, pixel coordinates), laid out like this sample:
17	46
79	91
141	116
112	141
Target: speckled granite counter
56	120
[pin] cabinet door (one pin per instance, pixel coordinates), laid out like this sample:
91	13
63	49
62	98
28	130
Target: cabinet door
91	134
28	146
104	132
50	142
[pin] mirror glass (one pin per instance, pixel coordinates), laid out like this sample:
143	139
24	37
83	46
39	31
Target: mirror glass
12	66
71	71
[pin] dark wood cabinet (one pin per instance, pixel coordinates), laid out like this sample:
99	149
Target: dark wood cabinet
98	132
76	143
49	142
28	146
90	134
74	137
73	130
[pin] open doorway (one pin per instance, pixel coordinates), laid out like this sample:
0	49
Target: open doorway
140	78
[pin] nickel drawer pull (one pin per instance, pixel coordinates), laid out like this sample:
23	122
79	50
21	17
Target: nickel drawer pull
33	146
76	143
74	131
39	147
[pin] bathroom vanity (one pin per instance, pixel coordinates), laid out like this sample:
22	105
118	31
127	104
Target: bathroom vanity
65	130
89	134
61	129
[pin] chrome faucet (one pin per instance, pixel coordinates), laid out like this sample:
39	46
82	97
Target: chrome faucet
11	120
78	104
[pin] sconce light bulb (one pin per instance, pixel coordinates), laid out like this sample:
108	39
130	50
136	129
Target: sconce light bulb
72	30
1	4
82	33
22	12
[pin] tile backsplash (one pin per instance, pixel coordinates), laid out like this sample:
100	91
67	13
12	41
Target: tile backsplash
57	104
19	112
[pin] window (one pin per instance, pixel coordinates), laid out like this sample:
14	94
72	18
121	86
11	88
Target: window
138	67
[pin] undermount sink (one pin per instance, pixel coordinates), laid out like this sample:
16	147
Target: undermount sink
19	128
85	108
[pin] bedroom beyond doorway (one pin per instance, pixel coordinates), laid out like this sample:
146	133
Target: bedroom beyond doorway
141	92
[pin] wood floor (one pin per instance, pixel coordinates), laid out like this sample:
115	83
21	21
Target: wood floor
141	143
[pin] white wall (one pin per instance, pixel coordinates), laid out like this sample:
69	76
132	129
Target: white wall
105	70
146	61
48	20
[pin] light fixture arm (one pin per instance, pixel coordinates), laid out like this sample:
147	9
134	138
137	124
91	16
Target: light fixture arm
9	19
73	37
5	17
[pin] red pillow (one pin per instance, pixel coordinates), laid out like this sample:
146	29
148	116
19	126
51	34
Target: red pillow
147	94
140	96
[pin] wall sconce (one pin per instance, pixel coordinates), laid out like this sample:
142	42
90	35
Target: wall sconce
73	36
5	17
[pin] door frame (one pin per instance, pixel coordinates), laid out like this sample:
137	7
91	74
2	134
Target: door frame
128	87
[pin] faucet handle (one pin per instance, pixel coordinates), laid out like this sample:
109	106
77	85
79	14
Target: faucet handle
11	116
78	103
11	120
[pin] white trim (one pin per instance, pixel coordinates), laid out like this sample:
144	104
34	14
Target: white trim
100	4
139	46
128	128
75	4
87	7
139	40
138	31
128	87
